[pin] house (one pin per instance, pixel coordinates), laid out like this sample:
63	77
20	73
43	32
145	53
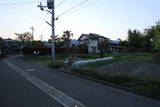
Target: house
12	45
114	45
92	40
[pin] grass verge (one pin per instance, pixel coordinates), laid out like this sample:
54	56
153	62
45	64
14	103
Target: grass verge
45	60
147	85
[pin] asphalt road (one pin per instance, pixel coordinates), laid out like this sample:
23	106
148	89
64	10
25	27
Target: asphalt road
24	84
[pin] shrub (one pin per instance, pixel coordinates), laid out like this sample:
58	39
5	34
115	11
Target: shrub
118	78
58	64
151	86
147	85
156	58
3	54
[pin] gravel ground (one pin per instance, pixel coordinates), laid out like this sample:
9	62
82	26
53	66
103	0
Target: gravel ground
134	68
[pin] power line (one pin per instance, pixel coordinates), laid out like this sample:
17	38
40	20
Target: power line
42	20
44	29
86	5
73	8
11	11
16	9
60	3
18	3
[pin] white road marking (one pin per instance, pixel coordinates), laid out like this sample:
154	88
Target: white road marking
59	96
29	70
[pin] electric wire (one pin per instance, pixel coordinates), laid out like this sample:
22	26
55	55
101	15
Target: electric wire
11	11
12	8
41	22
60	3
79	4
45	28
91	3
18	3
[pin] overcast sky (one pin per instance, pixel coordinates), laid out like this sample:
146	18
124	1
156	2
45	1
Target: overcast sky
110	18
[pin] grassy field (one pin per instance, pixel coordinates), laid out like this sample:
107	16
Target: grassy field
118	57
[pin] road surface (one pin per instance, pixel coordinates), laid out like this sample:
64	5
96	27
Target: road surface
24	84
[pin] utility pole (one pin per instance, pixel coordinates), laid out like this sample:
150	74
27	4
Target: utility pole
32	28
50	5
53	33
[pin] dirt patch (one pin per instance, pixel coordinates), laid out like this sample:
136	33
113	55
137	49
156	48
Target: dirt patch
134	68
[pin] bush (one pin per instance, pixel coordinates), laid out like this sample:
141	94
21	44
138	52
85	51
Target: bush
156	58
118	78
151	86
3	54
147	85
58	64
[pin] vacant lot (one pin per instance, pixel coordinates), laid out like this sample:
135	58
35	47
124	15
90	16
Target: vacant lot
119	57
139	69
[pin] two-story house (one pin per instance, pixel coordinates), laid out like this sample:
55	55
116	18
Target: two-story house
114	45
91	40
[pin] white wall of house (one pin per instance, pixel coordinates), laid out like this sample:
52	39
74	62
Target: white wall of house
92	43
93	46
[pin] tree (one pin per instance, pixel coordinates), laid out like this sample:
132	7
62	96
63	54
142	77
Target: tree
58	41
49	40
66	38
135	40
37	44
148	41
152	37
157	37
102	46
124	45
25	38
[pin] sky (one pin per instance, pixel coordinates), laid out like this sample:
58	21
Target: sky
110	18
